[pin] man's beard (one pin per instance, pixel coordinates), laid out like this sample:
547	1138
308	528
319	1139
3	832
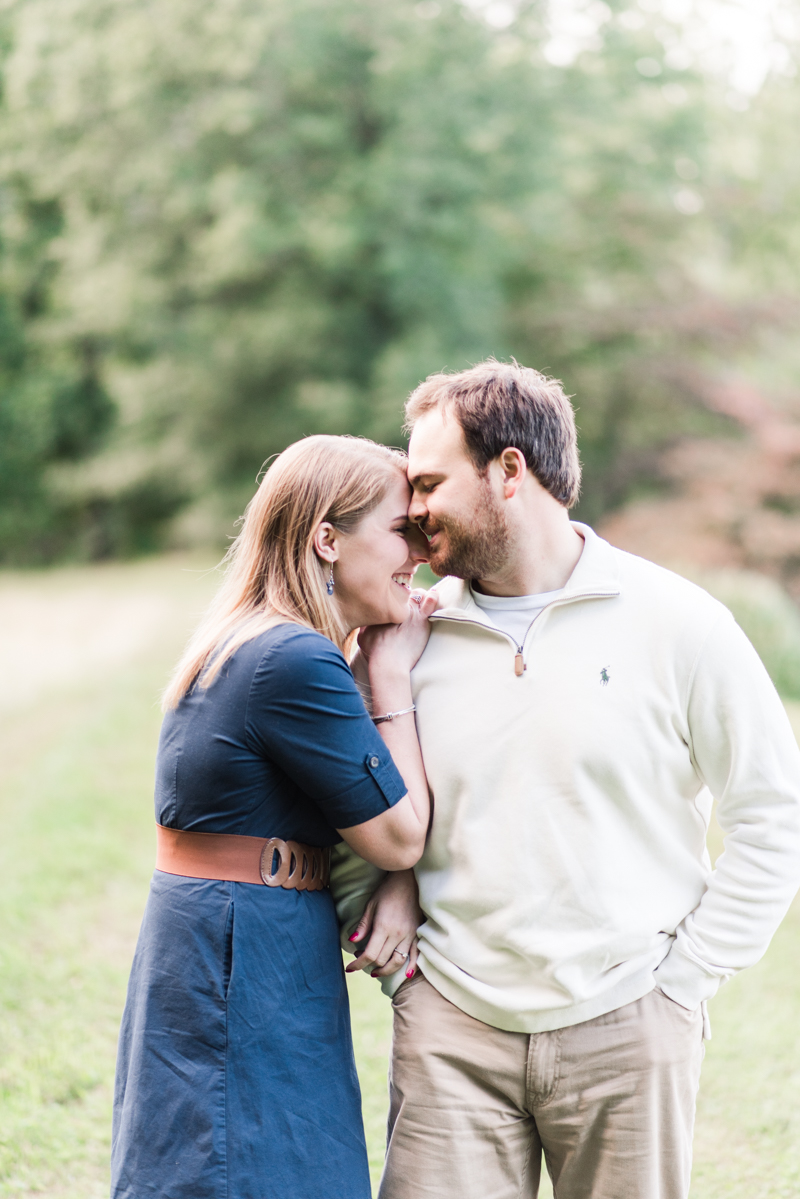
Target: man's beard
475	548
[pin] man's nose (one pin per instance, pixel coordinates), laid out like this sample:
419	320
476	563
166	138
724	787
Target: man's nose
417	545
417	509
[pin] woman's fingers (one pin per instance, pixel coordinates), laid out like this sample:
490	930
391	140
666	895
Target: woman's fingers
413	955
361	929
429	603
365	923
388	958
377	949
360	963
398	959
423	603
383	955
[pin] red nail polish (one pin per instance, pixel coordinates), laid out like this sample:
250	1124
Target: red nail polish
409	973
353	937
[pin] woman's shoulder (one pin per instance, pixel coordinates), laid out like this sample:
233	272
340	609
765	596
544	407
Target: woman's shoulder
297	668
291	638
296	649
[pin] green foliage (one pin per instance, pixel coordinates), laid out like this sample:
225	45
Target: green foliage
241	222
53	405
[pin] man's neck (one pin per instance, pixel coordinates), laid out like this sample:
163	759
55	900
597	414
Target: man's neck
537	564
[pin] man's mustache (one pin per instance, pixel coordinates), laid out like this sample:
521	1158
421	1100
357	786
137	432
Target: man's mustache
429	527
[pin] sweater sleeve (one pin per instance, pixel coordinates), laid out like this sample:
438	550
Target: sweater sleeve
745	752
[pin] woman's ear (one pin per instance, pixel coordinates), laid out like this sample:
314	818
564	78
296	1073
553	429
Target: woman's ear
326	542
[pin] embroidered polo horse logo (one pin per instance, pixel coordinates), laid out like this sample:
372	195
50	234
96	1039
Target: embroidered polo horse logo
605	678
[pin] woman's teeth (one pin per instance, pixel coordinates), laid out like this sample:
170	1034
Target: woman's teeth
402	581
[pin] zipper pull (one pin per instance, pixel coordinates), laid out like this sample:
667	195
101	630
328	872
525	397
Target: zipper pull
519	664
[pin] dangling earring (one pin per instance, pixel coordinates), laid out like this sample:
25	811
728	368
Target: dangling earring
329	584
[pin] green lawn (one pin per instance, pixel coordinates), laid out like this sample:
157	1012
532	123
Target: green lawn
76	752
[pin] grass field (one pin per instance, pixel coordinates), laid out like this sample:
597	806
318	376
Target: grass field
83	654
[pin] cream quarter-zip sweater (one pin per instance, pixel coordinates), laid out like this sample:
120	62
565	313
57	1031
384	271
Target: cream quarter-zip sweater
566	871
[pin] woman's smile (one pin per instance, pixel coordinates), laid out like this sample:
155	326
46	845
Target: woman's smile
381	554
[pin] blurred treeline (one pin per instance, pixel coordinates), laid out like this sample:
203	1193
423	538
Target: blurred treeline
229	223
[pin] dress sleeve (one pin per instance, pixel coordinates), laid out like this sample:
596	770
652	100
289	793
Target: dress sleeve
305	714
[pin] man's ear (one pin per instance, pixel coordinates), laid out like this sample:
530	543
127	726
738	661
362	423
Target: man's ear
514	468
326	542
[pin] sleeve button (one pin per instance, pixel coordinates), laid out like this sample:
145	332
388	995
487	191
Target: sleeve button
374	762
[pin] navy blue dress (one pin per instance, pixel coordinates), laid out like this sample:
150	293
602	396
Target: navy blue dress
235	1075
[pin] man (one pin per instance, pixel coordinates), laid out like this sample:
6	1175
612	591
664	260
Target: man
578	708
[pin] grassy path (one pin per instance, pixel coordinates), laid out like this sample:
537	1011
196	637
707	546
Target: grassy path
76	753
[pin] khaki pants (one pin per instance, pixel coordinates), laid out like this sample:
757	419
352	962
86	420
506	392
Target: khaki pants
610	1101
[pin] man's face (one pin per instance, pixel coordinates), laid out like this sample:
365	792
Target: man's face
453	504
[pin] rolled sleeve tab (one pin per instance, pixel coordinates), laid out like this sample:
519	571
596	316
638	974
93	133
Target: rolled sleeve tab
386	775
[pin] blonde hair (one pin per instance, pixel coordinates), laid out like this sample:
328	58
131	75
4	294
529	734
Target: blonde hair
273	573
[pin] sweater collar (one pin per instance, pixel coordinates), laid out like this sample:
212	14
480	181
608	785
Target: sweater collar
595	577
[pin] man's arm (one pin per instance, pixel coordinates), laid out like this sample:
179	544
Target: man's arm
745	751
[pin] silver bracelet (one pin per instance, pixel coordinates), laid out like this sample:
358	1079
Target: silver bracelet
391	715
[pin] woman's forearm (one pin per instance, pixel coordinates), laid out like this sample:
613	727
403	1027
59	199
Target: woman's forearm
395	839
391	692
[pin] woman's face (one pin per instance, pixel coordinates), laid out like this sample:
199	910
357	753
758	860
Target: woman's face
373	571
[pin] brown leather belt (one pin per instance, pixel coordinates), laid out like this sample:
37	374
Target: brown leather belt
234	859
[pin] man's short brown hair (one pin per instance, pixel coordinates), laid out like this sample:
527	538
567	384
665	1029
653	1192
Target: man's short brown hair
504	405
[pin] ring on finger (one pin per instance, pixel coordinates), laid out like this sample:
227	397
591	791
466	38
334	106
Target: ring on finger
399	953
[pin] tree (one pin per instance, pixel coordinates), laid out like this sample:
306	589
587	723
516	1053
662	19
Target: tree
275	217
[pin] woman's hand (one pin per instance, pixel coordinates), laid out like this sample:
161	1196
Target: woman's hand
399	646
390	922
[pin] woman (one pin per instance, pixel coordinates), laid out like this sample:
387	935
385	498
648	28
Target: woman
235	1077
